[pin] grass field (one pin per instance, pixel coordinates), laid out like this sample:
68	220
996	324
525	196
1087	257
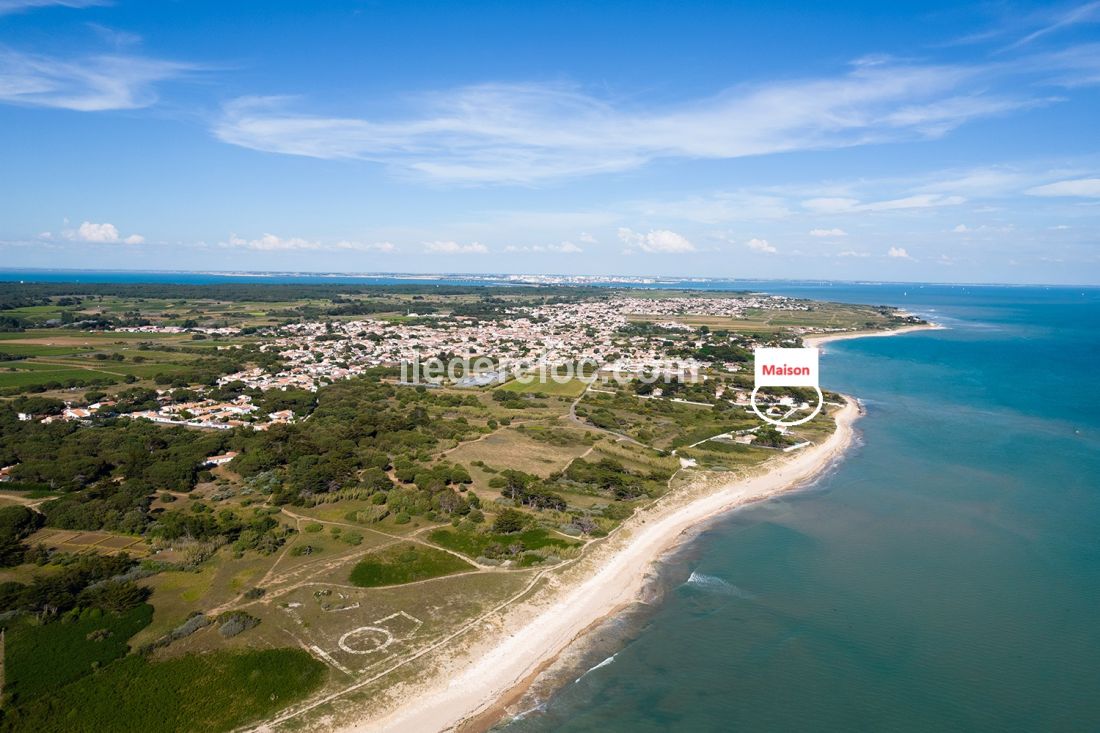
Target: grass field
217	691
405	563
42	376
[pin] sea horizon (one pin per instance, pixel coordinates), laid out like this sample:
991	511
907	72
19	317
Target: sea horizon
205	276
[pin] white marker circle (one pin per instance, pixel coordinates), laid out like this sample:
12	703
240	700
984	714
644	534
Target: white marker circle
375	639
780	423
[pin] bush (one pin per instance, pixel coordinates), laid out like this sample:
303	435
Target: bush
236	622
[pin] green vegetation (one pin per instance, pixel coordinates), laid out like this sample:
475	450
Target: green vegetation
569	388
405	563
211	692
40	658
496	545
367	469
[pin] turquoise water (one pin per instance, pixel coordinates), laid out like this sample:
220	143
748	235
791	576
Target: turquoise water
945	576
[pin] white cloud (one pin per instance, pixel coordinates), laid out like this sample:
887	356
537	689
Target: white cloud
760	245
454	248
898	253
16	6
828	233
587	238
528	132
99	233
566	248
853	253
719	207
89	84
962	229
1083	187
657	241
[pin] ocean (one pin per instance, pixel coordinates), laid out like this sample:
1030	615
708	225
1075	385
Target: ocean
944	576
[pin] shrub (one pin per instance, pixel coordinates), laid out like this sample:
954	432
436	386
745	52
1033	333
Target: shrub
236	622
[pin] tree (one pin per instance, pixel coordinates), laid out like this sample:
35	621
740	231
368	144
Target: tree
510	521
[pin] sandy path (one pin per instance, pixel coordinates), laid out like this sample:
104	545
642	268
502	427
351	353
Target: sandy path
616	583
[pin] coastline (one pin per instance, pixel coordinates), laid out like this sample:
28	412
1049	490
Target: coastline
475	696
817	341
471	700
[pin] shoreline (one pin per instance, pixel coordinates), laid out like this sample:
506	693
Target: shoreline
473	700
824	338
476	697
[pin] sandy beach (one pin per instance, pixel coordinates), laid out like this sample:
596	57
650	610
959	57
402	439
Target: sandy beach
624	564
607	581
817	341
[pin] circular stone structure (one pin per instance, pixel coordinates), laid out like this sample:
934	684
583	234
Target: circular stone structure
365	640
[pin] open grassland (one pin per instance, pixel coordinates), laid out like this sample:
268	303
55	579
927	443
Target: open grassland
522	450
550	386
72	540
405	563
473	544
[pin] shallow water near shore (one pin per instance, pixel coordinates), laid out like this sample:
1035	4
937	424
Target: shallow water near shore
945	575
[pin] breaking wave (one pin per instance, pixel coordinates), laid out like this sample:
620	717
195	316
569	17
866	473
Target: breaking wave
604	663
713	584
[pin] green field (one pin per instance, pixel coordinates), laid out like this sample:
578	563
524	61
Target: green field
40	658
405	563
40	375
211	692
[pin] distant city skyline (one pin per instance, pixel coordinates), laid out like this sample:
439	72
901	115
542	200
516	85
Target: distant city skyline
921	142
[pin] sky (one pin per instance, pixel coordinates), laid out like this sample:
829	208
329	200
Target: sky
930	142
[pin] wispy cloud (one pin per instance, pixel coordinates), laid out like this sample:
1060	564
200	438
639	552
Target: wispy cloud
898	253
526	133
18	6
274	243
91	84
1059	20
830	233
844	205
1081	187
563	248
447	247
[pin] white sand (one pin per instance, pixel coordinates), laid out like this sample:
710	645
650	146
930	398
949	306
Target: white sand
817	341
616	583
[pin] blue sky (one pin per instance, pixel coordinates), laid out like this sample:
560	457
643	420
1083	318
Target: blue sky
886	141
